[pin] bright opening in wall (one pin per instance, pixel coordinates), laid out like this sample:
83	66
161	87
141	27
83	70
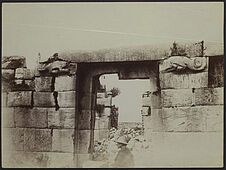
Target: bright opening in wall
129	99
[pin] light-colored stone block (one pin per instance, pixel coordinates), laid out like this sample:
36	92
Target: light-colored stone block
174	81
37	140
198	80
100	134
101	95
63	140
67	99
26	117
154	121
209	96
24	73
62	118
44	99
22	98
176	97
102	123
65	83
61	160
13	139
43	84
105	101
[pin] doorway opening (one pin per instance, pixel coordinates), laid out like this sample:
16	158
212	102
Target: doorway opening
118	113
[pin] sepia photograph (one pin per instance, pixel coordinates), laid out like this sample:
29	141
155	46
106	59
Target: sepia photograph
112	85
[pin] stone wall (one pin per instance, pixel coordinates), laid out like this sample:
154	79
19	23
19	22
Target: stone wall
38	116
188	129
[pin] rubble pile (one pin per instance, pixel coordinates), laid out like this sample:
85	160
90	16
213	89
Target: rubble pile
106	149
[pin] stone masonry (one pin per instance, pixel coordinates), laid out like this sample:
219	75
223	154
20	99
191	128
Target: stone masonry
48	114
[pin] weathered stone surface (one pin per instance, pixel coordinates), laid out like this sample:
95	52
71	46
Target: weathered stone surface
146	110
43	84
105	101
101	94
67	99
181	63
63	140
37	140
8	117
84	141
13	138
36	117
24	85
154	121
176	97
172	80
209	96
13	62
84	119
65	83
24	73
8	74
198	80
183	81
193	119
44	99
107	111
62	118
22	98
102	123
152	99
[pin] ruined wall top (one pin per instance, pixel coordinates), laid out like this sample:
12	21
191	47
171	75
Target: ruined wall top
142	53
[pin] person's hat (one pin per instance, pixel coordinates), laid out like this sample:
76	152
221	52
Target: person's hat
122	140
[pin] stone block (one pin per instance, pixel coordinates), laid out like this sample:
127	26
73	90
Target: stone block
13	62
83	141
104	101
37	140
63	140
174	81
67	99
146	110
209	96
24	85
8	117
44	99
24	73
8	74
62	118
152	99
198	80
154	121
4	99
84	119
193	119
176	97
102	123
13	139
65	83
43	84
183	81
22	98
101	95
36	117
